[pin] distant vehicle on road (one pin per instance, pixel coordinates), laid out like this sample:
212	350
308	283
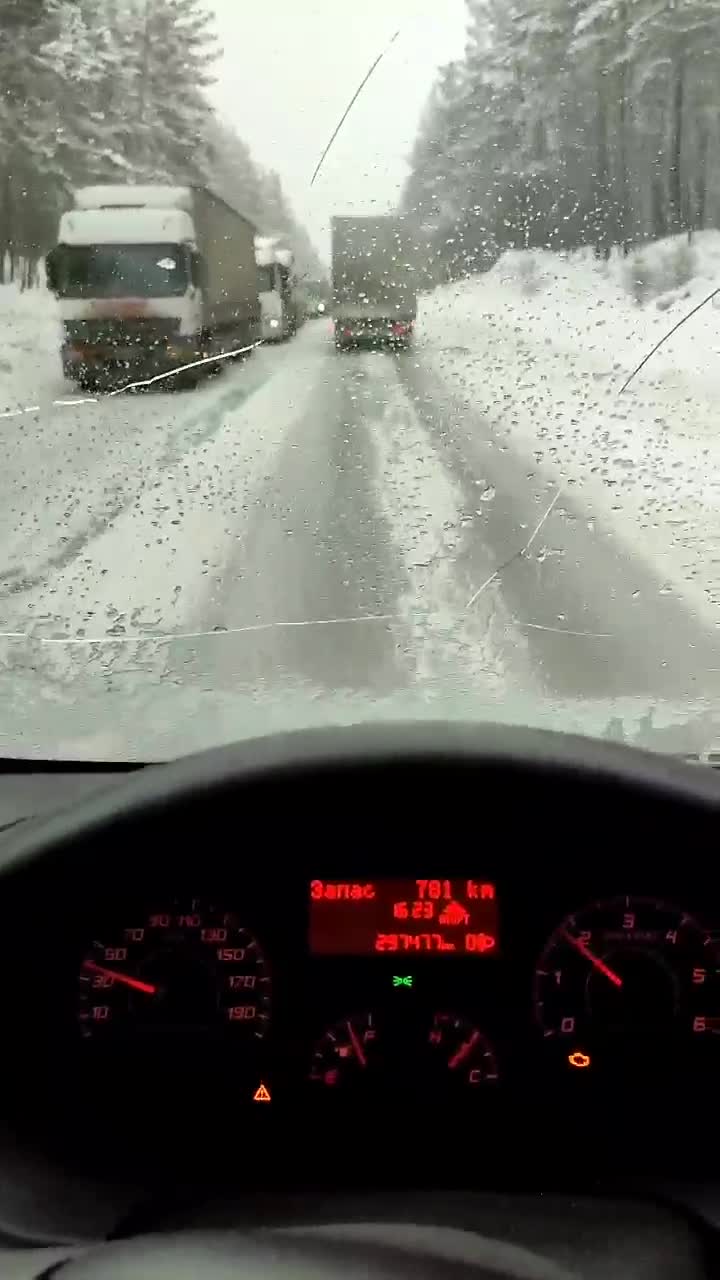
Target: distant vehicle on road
374	296
152	279
280	303
315	308
316	298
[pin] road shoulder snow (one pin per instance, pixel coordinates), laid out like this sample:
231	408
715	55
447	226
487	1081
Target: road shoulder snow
542	344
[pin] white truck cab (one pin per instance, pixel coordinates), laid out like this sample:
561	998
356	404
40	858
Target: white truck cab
278	309
151	280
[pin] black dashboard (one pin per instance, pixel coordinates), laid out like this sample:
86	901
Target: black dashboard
380	974
207	995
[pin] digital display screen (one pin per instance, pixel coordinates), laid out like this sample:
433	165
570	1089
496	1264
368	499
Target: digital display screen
372	917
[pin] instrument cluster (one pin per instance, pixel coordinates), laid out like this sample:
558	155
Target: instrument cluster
398	987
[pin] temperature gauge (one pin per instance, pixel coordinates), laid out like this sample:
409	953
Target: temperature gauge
461	1051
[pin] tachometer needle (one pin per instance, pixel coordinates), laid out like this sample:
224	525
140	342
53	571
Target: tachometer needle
599	964
135	983
357	1047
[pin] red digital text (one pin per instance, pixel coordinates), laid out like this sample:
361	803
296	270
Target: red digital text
444	916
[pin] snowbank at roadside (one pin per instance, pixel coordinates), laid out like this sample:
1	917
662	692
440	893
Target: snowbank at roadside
542	344
30	371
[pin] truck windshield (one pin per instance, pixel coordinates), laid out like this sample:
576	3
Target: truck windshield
122	271
266	279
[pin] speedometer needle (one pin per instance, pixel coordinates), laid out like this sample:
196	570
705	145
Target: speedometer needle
599	964
135	983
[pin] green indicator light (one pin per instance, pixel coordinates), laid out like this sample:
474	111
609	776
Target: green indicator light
403	982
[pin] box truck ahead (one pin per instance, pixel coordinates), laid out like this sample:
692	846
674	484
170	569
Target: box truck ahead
374	293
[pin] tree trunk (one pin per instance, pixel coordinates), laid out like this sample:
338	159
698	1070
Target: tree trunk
700	189
623	202
659	226
6	221
601	193
675	184
624	213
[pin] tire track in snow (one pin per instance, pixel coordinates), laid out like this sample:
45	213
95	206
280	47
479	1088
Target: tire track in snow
157	563
96	461
446	645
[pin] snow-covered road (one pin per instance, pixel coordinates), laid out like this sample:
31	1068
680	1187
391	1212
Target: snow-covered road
315	522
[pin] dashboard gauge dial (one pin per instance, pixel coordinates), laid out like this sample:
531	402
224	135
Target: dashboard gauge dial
630	967
414	1055
189	967
460	1051
346	1052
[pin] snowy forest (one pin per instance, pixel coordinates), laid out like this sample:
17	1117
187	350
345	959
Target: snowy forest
569	123
113	91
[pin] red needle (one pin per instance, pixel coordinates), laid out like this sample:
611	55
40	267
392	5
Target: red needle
135	983
357	1047
463	1051
599	964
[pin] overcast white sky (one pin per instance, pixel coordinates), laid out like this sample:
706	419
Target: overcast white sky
288	70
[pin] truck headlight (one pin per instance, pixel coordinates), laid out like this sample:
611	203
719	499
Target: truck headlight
274	324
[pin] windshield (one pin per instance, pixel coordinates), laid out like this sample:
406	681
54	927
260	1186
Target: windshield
121	271
266	278
480	482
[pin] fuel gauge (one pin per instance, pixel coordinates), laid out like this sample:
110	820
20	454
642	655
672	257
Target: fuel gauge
346	1051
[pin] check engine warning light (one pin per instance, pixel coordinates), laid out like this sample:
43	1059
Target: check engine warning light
579	1059
456	916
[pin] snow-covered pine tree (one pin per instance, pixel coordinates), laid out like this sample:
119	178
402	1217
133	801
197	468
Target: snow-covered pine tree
108	91
178	67
235	176
232	172
574	122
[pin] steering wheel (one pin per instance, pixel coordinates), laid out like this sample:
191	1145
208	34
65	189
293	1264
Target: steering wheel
506	758
385	1251
496	763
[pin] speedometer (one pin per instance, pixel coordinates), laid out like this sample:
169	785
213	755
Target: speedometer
187	967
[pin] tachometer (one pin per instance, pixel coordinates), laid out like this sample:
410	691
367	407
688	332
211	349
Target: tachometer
188	967
631	967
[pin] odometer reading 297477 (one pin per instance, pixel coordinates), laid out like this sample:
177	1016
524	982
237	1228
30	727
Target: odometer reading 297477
187	967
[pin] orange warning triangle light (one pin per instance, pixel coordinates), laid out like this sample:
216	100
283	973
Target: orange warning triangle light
261	1094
